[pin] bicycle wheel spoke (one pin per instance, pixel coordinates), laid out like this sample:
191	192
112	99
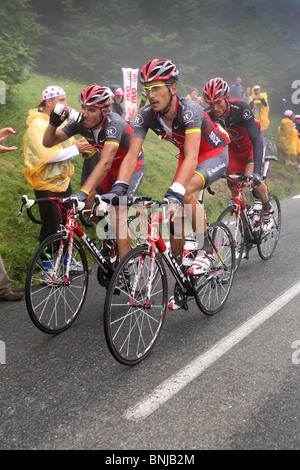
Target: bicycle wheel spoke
270	232
52	300
229	218
213	287
132	320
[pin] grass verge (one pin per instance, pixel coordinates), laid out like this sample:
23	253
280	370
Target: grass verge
19	236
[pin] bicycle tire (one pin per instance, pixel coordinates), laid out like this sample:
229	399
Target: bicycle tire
229	217
270	236
131	324
53	306
213	287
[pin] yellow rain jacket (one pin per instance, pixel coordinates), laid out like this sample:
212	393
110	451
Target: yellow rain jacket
261	112
40	173
288	137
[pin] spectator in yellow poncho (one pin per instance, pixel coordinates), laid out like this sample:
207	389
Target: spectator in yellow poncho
258	102
49	170
288	138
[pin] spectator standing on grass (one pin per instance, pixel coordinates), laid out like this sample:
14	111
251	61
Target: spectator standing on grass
236	90
193	95
259	105
288	137
6	292
49	170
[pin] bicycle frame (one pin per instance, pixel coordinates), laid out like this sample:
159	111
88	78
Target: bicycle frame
156	243
239	182
71	227
239	201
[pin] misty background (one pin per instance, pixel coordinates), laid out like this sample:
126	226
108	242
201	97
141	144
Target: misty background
91	40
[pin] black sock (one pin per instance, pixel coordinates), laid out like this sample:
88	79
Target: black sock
206	245
267	206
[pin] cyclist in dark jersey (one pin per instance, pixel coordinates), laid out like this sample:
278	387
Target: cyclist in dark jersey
110	135
202	145
246	149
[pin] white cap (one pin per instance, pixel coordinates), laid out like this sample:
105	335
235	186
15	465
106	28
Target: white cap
51	92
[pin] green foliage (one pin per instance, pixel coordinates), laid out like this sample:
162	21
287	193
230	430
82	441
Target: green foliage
92	40
19	32
19	236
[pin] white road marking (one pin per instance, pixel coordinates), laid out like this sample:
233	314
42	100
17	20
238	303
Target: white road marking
296	197
176	382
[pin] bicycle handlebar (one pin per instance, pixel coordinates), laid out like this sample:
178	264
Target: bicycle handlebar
29	203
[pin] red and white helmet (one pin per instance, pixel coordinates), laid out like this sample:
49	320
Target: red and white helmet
158	69
94	95
289	113
215	90
117	90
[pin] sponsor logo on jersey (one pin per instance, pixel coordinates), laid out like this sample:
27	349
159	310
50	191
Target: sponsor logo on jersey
111	131
246	114
139	120
188	116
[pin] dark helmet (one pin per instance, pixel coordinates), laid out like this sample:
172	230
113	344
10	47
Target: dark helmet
117	91
215	90
159	69
97	96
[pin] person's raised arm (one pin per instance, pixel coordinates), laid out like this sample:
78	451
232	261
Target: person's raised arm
53	136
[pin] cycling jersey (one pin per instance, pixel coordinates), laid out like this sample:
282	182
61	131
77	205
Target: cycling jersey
246	139
113	130
189	118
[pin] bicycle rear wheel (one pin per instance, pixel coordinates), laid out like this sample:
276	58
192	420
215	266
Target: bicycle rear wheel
213	287
54	302
270	233
229	218
132	322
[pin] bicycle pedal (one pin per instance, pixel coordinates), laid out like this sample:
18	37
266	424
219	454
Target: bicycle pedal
185	306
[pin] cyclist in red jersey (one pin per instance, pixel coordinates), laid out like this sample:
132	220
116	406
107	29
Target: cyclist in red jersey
246	149
110	135
202	144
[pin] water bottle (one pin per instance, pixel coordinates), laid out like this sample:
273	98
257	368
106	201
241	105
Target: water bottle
257	213
250	212
69	112
257	209
189	248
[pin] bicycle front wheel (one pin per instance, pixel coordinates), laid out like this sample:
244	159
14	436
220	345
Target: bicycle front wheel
229	218
132	320
270	232
53	301
213	287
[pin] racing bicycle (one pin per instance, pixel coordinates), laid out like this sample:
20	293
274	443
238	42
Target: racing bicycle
246	223
134	313
58	274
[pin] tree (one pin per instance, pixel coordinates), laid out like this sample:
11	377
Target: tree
91	40
19	32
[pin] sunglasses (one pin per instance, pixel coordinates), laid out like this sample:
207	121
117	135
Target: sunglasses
153	88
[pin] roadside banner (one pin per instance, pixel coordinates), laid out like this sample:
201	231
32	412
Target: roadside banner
130	77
